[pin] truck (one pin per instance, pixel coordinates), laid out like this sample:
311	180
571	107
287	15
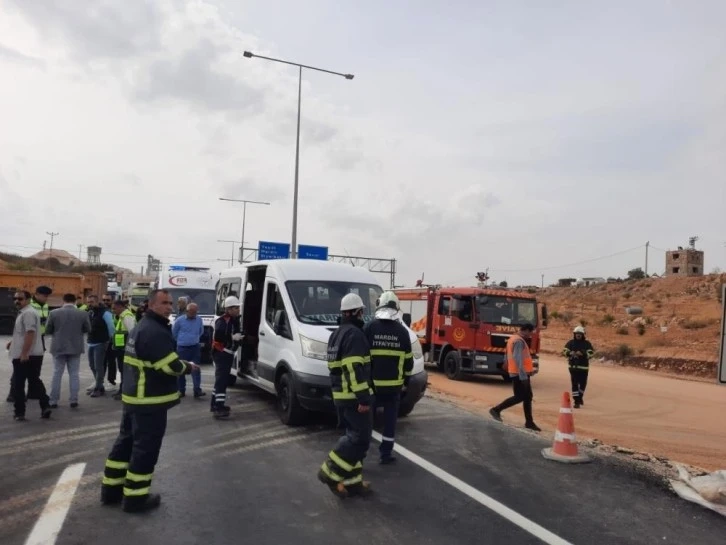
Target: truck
197	284
137	292
464	330
79	284
8	312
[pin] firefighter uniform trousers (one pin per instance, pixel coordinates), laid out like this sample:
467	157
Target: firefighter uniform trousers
222	369
130	464
390	403
578	379
345	461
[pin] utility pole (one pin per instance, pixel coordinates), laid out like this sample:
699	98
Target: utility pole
646	257
80	252
244	202
52	236
543	280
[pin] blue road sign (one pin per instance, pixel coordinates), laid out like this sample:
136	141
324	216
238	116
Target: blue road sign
273	250
312	252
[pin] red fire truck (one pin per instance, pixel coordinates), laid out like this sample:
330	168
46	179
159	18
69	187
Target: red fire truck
465	330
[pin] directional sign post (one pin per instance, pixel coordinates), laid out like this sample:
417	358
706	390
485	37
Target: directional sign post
273	250
722	352
305	251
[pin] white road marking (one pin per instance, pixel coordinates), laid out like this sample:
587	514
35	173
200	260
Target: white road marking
500	509
50	522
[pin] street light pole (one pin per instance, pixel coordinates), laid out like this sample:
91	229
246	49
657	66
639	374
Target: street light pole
244	214
234	243
249	55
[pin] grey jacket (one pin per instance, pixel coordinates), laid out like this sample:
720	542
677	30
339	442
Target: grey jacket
67	326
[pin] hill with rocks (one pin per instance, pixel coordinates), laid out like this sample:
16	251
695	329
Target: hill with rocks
670	323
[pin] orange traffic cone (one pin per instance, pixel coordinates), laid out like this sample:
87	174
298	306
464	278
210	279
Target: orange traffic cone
564	448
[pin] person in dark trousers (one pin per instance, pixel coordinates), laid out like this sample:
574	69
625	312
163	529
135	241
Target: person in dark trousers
225	342
187	330
98	339
391	366
520	367
349	362
578	351
39	303
111	367
151	368
26	355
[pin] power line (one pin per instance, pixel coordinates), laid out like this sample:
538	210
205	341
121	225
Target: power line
549	268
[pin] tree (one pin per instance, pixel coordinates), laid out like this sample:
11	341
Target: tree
503	284
636	274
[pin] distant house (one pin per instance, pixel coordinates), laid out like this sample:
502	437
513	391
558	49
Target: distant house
590	281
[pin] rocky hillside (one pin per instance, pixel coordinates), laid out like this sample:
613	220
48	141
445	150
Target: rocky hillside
650	321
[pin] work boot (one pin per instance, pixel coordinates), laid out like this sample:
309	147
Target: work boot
495	414
335	487
532	426
46	413
140	505
199	394
111	495
10	398
577	404
387	459
221	412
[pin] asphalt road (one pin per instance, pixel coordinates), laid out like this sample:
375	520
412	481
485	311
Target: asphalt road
251	479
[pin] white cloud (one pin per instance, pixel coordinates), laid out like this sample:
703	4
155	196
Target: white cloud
503	138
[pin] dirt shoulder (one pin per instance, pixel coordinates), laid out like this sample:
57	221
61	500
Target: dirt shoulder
637	410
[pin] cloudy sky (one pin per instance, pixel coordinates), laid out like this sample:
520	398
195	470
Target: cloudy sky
532	138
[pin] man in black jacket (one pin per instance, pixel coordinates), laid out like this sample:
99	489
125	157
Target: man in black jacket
349	362
391	366
150	389
578	351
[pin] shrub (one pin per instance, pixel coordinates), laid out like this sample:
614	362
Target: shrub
583	322
567	317
608	319
622	330
649	320
694	323
641	329
624	350
626	295
554	315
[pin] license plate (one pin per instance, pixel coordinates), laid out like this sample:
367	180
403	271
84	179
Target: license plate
481	358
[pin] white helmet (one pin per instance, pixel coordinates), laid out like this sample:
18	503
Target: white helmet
388	299
351	301
579	329
231	301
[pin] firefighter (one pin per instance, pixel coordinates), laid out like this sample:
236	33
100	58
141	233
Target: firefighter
391	366
149	391
578	352
349	362
227	336
520	367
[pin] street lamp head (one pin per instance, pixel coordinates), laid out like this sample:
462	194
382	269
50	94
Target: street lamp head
349	76
248	54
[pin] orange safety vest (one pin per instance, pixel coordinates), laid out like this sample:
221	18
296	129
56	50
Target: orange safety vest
526	356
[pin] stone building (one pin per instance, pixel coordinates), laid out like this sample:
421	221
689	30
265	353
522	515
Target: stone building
684	262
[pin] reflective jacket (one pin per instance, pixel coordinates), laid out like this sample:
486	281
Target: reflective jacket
517	355
120	333
349	363
391	355
583	346
151	366
43	311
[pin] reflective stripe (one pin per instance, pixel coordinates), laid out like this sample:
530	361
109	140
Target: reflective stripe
113	482
138	478
384	438
340	462
116	465
401	355
156	400
581	367
344	395
565	410
137	491
355	480
329	472
559	436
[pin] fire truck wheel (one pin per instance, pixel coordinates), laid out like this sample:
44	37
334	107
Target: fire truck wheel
452	365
